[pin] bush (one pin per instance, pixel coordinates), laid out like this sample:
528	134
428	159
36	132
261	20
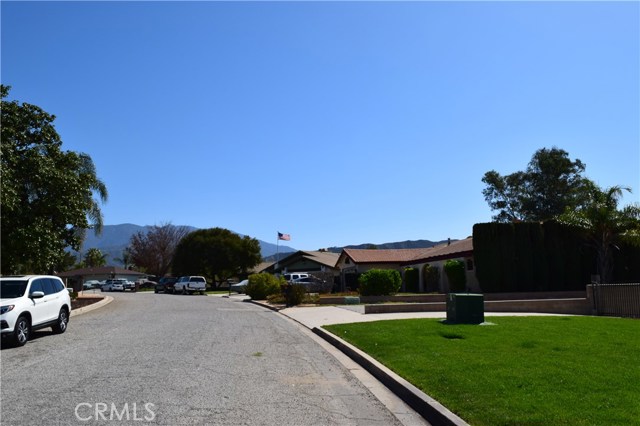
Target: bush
456	274
262	285
380	282
431	278
280	299
294	294
411	280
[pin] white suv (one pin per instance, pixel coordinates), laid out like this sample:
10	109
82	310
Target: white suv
31	302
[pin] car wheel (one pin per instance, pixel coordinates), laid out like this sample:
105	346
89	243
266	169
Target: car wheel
184	291
155	291
21	331
63	320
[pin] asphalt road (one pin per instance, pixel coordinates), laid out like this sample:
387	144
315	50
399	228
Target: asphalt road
181	360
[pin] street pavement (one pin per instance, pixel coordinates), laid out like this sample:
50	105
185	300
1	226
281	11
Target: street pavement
187	360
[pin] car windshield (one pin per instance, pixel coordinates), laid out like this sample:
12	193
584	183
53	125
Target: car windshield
10	289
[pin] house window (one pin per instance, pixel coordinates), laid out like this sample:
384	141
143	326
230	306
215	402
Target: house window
347	261
469	265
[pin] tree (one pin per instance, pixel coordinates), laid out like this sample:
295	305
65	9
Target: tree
49	197
216	253
550	184
153	251
125	258
94	257
604	226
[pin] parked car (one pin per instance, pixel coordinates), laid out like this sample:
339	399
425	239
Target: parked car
239	287
91	284
146	284
31	302
113	285
165	284
129	285
190	284
295	275
313	284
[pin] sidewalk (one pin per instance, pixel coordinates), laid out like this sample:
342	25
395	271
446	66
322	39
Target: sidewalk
318	316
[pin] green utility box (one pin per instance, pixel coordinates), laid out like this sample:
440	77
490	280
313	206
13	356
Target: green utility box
465	308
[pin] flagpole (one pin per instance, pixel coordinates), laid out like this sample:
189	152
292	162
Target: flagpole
277	249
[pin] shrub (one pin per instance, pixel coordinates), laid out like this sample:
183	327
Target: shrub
262	285
276	299
431	278
456	274
294	294
380	282
411	280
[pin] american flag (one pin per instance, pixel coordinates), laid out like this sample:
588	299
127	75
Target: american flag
285	237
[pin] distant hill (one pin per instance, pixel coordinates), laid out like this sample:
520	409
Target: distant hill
388	246
115	238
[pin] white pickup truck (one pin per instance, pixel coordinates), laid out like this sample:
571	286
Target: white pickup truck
190	284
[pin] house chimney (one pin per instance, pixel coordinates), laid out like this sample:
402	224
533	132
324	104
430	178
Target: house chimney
448	241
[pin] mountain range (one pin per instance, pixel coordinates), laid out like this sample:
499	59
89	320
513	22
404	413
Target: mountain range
115	238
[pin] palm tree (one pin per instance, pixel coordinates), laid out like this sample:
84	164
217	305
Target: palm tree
94	257
604	225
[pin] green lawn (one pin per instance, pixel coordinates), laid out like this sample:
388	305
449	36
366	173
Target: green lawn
520	371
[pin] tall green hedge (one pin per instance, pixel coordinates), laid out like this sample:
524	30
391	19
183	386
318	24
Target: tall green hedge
521	257
431	276
456	275
411	280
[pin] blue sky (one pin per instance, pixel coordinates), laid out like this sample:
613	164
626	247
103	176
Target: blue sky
336	122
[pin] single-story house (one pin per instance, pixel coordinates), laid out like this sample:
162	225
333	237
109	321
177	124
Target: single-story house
77	277
307	261
353	262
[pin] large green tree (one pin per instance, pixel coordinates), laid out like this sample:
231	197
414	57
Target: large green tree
153	250
49	197
604	226
216	253
551	183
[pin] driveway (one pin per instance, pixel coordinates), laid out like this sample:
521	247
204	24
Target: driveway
181	360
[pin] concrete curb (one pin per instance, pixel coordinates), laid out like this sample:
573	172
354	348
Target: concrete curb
91	307
430	409
264	305
434	412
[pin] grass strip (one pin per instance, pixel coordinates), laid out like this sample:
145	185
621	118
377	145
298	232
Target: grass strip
518	371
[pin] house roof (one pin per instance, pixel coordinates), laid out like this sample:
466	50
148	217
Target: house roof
100	270
410	256
325	258
445	251
382	256
320	257
261	267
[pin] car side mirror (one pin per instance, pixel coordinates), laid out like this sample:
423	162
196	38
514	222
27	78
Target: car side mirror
36	295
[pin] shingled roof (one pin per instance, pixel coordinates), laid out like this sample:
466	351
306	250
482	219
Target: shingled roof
409	256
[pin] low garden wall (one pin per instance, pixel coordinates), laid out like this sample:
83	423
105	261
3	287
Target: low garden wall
557	302
579	306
